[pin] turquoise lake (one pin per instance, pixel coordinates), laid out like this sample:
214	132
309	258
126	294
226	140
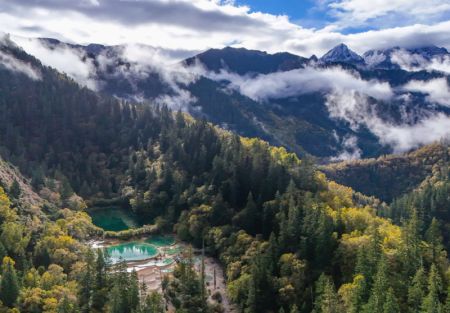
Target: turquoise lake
131	251
113	218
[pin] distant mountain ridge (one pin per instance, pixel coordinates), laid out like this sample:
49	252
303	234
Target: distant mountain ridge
243	61
303	123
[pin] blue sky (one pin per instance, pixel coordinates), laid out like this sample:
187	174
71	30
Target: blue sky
303	12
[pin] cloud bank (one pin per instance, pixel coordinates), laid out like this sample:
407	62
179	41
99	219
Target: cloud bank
351	99
355	109
415	62
302	81
437	90
13	64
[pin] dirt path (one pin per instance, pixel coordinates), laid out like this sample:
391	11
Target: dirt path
215	282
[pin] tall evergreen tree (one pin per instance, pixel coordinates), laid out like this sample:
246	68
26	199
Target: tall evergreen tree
379	288
391	305
416	291
431	303
9	285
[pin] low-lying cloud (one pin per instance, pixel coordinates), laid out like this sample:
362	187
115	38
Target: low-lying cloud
355	109
13	64
437	90
72	62
351	99
133	63
302	81
412	62
350	149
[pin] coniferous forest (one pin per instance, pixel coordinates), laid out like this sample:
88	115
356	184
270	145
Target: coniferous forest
289	238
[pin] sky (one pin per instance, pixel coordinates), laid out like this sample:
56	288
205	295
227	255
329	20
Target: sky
185	27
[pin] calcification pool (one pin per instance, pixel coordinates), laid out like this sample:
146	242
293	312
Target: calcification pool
131	251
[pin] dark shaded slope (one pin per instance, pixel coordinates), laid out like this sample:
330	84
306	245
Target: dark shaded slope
390	176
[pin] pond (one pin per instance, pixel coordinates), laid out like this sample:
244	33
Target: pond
113	218
161	241
131	251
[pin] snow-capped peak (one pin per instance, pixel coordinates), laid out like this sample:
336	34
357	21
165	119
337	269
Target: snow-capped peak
342	53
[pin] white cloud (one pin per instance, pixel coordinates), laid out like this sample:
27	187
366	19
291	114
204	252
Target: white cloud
11	63
406	137
415	62
302	81
137	62
440	64
351	151
437	90
359	12
62	58
356	110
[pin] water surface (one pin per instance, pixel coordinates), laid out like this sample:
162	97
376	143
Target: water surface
161	241
113	218
131	251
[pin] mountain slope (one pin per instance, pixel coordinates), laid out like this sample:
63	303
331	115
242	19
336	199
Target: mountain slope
27	196
334	108
390	176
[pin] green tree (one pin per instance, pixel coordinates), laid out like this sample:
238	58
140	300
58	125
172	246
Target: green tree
15	190
380	285
357	297
431	303
153	303
416	291
100	291
9	285
434	239
391	305
65	306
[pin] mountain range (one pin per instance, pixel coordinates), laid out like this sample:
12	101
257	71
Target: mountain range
340	106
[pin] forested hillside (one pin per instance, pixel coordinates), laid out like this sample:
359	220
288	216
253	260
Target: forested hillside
391	176
289	239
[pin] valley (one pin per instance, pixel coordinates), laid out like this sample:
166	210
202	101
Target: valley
233	180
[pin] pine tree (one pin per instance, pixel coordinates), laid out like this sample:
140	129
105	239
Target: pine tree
86	284
368	258
329	301
9	285
99	295
358	296
431	303
153	303
411	251
15	190
391	305
416	291
378	292
250	305
115	300
133	292
434	238
326	300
